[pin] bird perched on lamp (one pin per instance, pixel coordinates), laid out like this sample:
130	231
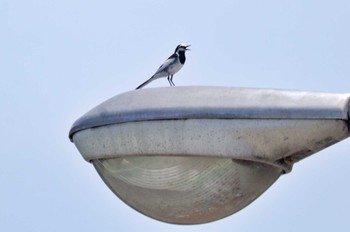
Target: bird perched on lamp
171	66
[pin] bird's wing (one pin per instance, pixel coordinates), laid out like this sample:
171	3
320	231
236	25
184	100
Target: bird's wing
167	63
162	70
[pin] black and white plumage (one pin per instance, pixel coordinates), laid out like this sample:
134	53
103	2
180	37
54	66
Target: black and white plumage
171	66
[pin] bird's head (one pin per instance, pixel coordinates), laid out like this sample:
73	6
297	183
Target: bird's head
181	48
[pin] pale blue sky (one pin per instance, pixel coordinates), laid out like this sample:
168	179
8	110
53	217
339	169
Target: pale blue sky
58	59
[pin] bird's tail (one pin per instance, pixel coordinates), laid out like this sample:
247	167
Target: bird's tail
145	83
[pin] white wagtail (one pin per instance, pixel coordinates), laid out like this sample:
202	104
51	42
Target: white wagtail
171	66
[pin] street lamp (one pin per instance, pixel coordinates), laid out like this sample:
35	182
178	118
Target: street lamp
190	155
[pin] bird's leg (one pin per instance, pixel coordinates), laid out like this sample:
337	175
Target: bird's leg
171	79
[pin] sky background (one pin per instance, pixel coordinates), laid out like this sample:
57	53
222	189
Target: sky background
59	59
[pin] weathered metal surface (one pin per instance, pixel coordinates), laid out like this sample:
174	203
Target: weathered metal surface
214	103
261	140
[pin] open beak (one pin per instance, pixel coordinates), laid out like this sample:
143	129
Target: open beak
187	47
